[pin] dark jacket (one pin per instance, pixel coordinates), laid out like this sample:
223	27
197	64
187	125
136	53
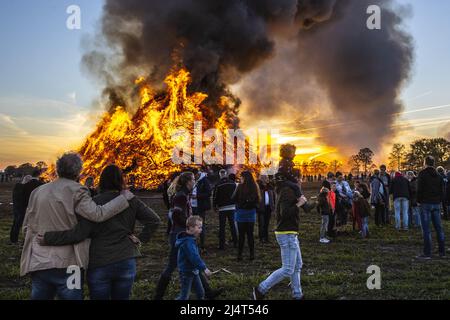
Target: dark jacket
413	190
364	190
223	192
444	188
287	211
180	210
286	167
447	193
93	191
362	207
18	200
188	256
28	188
165	187
400	188
271	194
429	187
204	194
323	205
109	240
245	201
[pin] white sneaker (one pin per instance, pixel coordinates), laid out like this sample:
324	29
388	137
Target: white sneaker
324	240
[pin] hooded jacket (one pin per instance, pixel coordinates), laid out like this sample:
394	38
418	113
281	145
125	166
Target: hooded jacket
413	189
189	260
202	191
430	187
287	212
400	187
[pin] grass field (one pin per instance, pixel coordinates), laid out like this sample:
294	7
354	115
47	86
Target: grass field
333	271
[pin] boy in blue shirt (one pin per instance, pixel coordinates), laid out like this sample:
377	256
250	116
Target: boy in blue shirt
190	264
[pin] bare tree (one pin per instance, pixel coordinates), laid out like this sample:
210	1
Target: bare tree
318	166
335	165
365	156
41	165
355	163
397	156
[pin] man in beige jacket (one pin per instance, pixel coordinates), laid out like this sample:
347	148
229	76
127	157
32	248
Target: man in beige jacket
53	207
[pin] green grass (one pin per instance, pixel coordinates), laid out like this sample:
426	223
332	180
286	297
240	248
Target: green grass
334	271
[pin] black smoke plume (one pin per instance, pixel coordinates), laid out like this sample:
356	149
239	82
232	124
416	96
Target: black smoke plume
280	52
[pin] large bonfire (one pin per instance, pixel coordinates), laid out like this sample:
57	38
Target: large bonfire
142	143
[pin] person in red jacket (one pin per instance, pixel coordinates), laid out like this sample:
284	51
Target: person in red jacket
332	219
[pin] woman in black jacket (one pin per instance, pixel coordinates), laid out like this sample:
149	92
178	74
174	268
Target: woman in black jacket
113	249
246	197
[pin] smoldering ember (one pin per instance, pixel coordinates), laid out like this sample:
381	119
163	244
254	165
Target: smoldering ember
225	150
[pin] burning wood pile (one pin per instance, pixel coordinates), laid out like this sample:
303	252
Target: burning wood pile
142	143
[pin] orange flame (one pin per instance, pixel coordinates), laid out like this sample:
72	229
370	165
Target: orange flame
142	143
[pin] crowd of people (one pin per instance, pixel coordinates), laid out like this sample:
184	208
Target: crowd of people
66	223
418	199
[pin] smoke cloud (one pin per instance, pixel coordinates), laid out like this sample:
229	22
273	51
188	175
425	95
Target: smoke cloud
292	55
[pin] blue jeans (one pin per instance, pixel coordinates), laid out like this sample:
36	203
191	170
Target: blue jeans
291	259
365	226
51	283
401	207
189	280
432	212
113	281
416	216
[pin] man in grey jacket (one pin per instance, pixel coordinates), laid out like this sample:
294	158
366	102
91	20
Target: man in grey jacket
53	207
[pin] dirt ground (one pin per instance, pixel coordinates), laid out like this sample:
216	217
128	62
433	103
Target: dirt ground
334	271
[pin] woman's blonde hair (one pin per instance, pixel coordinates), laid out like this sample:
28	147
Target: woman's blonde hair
179	182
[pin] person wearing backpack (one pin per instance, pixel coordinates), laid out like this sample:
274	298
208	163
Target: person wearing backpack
246	198
343	198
